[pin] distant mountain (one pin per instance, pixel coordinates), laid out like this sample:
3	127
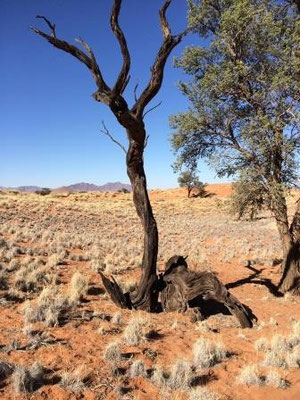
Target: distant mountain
28	189
78	187
89	187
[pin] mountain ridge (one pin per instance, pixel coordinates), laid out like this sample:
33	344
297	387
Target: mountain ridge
77	187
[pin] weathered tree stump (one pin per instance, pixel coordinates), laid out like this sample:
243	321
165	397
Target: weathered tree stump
179	288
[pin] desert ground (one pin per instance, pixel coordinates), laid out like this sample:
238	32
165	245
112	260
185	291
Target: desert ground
61	337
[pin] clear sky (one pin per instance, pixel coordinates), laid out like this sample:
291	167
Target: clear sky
50	125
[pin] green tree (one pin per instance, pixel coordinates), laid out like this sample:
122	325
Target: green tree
189	179
244	104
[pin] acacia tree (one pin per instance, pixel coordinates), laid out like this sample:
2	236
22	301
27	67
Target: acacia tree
131	118
189	179
244	96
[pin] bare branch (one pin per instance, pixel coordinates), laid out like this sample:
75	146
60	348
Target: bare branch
51	26
151	109
157	69
123	78
135	91
146	141
163	20
107	133
104	91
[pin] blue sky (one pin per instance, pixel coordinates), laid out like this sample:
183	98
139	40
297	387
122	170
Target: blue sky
50	125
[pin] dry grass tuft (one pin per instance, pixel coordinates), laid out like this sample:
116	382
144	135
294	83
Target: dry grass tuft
202	394
112	352
78	287
207	353
249	375
134	333
28	379
72	381
181	376
137	368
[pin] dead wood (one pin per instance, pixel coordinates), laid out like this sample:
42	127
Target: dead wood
179	288
116	294
183	286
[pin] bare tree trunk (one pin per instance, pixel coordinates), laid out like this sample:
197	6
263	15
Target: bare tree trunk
146	295
280	213
290	280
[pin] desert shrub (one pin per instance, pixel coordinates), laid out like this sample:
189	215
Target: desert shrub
30	278
117	318
78	287
13	265
159	376
261	344
207	353
202	394
134	333
137	368
275	380
112	352
284	351
43	191
293	358
72	381
28	379
50	307
54	260
249	375
181	375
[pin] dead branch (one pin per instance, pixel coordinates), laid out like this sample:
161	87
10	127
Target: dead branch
52	27
151	109
123	77
163	20
157	69
107	133
89	60
146	141
135	91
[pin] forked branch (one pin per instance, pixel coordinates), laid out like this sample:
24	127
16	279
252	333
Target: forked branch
51	26
113	97
89	60
157	69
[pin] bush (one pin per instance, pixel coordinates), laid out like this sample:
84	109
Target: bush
208	353
43	191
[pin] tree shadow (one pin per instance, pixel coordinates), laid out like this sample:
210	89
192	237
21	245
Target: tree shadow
211	307
253	278
203	195
201	380
95	291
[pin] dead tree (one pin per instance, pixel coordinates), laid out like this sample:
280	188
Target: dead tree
146	295
132	120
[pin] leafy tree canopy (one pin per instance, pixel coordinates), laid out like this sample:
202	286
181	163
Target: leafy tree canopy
243	92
